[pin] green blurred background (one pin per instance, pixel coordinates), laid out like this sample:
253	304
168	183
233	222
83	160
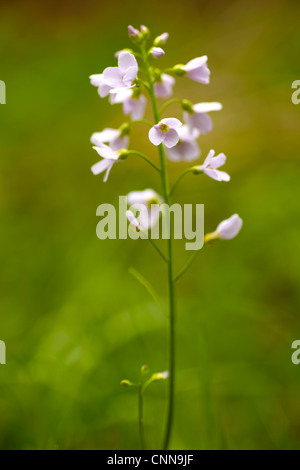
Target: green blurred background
74	321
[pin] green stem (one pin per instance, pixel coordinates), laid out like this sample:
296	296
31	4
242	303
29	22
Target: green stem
187	265
141	417
141	155
165	187
157	249
189	170
138	276
142	121
168	103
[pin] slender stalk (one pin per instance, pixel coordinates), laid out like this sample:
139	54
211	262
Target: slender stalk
141	417
168	103
138	276
157	249
187	265
141	155
165	188
189	170
142	121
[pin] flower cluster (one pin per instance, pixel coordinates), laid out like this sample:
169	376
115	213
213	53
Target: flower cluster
124	84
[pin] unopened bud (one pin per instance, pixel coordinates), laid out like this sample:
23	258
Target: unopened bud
161	40
126	383
157	52
134	34
160	376
145	31
145	369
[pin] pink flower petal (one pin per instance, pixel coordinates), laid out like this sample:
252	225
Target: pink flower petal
156	136
218	161
126	61
105	152
201	121
100	167
107	172
113	77
130	76
173	123
208	159
171	138
223	176
196	63
207	107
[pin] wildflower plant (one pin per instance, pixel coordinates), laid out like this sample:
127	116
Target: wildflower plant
134	80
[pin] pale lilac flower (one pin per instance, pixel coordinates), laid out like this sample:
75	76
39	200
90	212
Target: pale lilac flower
147	204
133	220
163	88
210	165
103	89
111	137
157	52
122	76
197	70
187	148
135	107
199	119
132	104
162	39
229	228
109	158
165	131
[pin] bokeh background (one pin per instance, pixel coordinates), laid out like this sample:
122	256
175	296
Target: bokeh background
75	322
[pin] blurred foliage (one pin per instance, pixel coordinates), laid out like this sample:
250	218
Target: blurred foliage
74	321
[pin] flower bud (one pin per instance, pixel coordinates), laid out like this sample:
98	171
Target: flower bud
126	383
161	40
145	370
160	376
157	52
145	31
134	34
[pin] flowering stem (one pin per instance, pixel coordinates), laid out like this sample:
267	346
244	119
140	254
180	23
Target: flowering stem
165	187
142	121
168	103
141	417
141	155
189	170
